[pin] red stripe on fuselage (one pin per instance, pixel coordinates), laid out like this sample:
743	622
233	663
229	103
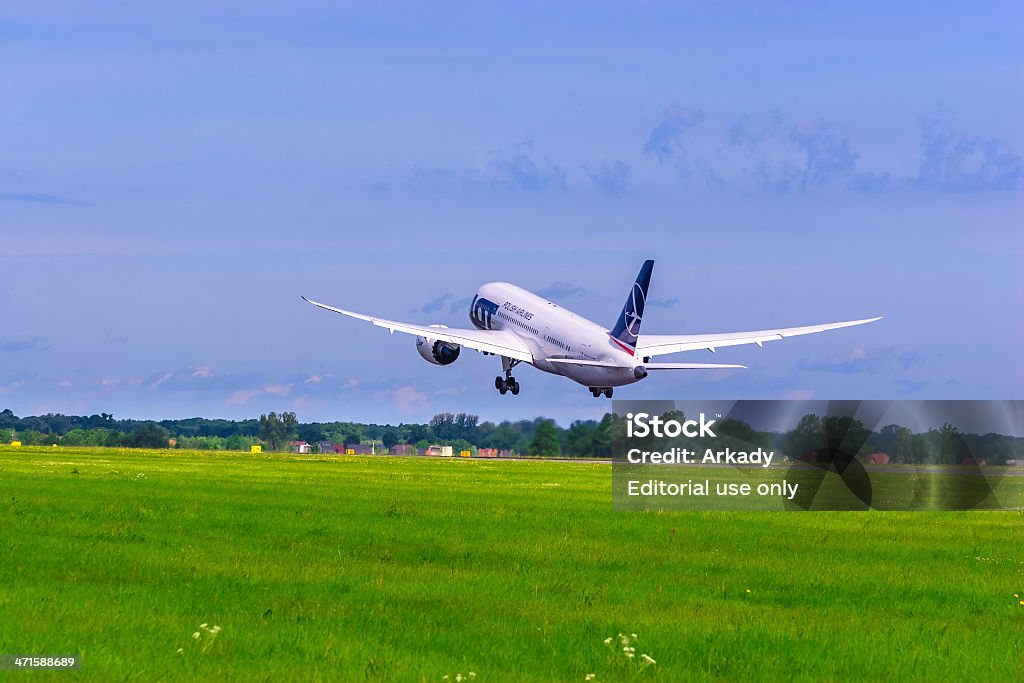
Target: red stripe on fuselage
625	348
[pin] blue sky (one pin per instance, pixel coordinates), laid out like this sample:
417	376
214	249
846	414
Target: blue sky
172	178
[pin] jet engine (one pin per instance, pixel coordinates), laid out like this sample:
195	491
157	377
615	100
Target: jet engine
436	351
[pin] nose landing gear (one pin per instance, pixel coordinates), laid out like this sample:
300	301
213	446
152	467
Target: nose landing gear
597	391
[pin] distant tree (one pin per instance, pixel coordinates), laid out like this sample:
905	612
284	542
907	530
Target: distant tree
947	445
902	448
390	437
150	435
459	445
345	432
240	442
201	443
34	437
277	430
845	434
884	440
579	438
807	436
115	439
504	436
6	435
86	437
545	440
311	433
607	429
444	427
467	426
414	433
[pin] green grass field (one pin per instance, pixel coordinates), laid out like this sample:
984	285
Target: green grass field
413	569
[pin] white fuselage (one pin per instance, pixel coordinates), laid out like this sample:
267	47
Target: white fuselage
553	332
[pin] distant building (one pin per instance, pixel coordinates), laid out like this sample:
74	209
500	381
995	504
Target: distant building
444	451
878	459
325	448
487	452
403	449
360	449
299	447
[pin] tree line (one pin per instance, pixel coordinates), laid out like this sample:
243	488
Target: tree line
540	436
462	431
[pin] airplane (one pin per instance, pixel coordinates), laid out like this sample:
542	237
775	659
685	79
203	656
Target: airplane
522	327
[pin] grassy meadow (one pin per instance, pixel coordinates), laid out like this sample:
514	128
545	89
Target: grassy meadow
180	565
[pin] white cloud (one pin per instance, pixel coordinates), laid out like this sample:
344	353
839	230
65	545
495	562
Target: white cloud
163	378
408	397
243	396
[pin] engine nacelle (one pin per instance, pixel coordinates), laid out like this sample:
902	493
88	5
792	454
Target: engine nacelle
436	351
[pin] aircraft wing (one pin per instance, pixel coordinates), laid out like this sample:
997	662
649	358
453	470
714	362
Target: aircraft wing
660	344
498	342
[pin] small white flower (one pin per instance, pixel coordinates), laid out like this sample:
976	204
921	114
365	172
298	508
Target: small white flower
630	655
472	674
458	678
202	625
196	635
647	658
608	640
590	677
634	635
181	650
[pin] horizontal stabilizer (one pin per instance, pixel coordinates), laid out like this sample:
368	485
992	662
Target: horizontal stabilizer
690	366
649	366
661	344
581	361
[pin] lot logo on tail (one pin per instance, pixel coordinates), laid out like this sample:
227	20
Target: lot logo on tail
632	314
627	327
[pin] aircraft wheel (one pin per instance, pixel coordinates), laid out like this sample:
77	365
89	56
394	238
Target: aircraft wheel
515	388
595	391
608	392
500	385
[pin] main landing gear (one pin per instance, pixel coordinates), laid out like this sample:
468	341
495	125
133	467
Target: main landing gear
597	391
508	382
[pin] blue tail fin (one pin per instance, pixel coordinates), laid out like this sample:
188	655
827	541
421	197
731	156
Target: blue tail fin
627	327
